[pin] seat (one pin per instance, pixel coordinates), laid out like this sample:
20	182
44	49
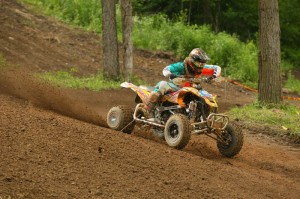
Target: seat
148	88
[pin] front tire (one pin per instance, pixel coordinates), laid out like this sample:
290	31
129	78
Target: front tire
234	139
119	117
178	131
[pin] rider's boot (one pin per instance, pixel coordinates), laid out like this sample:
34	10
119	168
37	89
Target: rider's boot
151	102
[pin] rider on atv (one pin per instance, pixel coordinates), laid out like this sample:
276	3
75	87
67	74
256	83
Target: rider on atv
194	65
189	110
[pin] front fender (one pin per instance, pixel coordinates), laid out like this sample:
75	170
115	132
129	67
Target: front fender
209	99
183	92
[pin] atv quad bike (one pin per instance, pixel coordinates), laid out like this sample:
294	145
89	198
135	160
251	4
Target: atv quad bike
178	115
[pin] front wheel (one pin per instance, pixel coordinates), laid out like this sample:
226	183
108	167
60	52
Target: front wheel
119	117
178	131
234	142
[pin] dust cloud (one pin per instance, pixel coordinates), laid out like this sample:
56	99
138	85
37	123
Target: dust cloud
22	84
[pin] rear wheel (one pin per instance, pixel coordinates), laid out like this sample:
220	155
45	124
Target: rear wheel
178	131
234	142
119	117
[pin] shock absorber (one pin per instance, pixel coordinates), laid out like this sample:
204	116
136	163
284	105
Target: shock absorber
192	111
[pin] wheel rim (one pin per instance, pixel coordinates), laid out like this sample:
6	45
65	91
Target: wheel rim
226	136
113	119
173	132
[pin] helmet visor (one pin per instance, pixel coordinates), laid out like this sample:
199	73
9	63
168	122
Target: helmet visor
199	59
198	64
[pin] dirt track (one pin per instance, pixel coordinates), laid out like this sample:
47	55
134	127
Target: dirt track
54	145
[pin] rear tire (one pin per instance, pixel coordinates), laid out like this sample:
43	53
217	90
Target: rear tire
119	117
178	131
235	142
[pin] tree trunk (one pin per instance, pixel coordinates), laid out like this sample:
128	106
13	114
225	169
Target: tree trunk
207	12
126	12
190	12
217	16
111	69
269	85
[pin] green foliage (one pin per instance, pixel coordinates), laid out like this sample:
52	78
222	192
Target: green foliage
3	64
234	17
290	29
82	13
292	83
2	60
241	18
283	116
70	80
286	66
157	6
158	33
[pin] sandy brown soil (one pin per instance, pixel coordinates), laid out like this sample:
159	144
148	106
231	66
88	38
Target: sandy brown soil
54	143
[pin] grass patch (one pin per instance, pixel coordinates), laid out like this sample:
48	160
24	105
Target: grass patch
2	60
68	79
3	64
293	84
285	116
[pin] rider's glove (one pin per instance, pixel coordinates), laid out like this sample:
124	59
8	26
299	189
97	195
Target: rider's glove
172	76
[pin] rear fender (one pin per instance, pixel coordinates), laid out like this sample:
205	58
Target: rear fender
142	93
171	97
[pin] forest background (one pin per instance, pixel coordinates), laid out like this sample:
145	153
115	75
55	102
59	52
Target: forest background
227	30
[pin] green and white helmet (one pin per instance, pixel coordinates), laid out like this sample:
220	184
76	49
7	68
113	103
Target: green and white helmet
199	55
195	59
